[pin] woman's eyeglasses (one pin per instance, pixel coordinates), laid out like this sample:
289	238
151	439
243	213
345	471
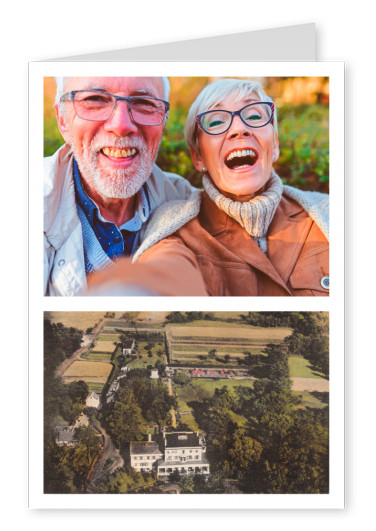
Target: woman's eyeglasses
254	115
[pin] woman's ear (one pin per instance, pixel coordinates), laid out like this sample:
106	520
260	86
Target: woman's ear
197	160
62	124
275	149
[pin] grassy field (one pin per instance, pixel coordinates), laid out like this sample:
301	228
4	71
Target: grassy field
300	368
98	356
88	371
104	346
108	337
95	387
80	320
308	400
200	388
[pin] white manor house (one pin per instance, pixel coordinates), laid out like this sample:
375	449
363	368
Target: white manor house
182	451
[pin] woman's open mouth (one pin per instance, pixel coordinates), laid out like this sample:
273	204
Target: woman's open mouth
241	158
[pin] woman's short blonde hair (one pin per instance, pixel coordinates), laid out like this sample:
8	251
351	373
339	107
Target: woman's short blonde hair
216	92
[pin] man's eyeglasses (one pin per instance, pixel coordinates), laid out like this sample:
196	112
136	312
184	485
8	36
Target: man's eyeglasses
98	106
253	115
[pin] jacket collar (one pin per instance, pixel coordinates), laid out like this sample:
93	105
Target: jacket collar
287	233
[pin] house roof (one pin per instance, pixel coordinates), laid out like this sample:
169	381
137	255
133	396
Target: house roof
181	440
145	447
128	343
65	434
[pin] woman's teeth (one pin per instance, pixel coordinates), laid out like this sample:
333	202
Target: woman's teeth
241	158
119	153
241	153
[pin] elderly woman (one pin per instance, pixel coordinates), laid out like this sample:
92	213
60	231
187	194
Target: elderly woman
248	234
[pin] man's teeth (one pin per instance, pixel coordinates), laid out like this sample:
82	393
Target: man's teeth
119	153
241	153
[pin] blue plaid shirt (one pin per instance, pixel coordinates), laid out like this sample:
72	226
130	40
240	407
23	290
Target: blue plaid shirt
115	241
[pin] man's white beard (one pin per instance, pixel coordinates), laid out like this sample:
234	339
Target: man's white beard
114	183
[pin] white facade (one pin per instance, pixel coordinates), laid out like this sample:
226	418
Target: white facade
184	452
92	400
144	455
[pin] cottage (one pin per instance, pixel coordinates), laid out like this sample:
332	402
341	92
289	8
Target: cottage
82	421
93	400
154	375
65	436
129	347
144	455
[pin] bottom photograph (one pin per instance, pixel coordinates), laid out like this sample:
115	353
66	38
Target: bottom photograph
186	402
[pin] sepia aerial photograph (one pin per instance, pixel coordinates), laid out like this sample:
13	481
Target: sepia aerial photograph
193	402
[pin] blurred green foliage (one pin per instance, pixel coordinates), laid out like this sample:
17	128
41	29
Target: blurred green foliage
52	137
304	146
303	142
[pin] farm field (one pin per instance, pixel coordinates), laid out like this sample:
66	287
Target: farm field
201	362
80	320
300	368
153	317
88	371
245	332
193	348
108	337
104	346
97	356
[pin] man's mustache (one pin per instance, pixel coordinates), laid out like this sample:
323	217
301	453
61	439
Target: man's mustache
103	141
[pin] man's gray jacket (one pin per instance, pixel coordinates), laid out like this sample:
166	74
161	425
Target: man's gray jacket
64	263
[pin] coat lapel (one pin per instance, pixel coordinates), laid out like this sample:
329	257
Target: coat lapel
242	247
287	234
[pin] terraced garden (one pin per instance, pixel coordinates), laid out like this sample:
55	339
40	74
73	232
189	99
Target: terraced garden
231	344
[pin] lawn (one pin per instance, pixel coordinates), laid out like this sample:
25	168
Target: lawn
308	400
80	320
200	388
300	368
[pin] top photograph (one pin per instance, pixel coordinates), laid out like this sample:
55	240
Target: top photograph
186	186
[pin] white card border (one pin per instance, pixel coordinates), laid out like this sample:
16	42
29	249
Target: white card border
334	304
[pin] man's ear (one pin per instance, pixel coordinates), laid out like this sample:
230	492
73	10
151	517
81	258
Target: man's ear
197	160
61	122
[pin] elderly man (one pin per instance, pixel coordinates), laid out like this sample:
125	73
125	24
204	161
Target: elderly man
102	186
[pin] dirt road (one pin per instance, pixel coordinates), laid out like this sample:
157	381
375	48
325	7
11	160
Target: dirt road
109	452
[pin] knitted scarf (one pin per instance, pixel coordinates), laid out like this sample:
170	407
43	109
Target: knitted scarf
255	215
